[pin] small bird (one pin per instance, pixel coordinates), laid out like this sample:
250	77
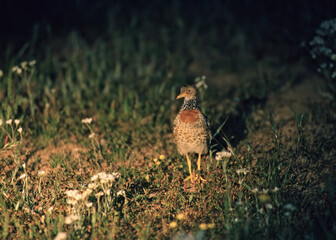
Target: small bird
191	129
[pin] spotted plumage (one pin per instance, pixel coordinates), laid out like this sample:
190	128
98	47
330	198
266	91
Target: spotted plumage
191	129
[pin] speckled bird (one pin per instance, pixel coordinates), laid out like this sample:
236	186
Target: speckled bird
191	130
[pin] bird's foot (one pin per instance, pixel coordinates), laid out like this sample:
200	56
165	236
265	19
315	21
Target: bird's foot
192	177
198	177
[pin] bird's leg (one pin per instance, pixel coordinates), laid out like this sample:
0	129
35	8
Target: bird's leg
199	162
191	177
199	168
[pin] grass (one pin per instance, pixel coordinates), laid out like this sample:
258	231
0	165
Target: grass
125	85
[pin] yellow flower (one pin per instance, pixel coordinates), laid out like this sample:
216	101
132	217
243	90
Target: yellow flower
173	224
147	178
264	197
156	161
162	157
180	216
203	226
211	225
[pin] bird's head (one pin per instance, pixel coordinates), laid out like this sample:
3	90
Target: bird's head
188	92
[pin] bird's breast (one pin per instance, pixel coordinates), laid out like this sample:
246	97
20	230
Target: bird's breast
189	116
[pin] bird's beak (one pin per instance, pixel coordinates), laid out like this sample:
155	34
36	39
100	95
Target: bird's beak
181	95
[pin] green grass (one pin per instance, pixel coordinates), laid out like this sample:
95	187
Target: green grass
127	82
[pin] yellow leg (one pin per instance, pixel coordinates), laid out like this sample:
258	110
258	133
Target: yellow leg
191	177
199	162
199	168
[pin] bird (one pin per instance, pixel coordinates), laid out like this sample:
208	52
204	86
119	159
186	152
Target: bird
191	130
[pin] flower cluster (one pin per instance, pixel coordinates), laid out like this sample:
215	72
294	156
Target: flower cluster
223	154
323	49
78	201
105	178
157	161
243	171
200	83
11	131
23	66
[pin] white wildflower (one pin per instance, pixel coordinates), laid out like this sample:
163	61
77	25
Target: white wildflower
92	135
1	122
102	175
89	204
32	63
224	154
121	192
79	197
22	176
20	130
24	165
24	64
92	185
264	191
103	181
255	190
276	189
94	178
61	236
41	173
99	194
17	122
111	177
14	69
200	82
87	193
333	57
269	206
243	171
50	209
87	120
333	76
71	201
290	207
72	193
70	219
9	121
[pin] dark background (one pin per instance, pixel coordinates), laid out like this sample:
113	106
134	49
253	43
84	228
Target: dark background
276	22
